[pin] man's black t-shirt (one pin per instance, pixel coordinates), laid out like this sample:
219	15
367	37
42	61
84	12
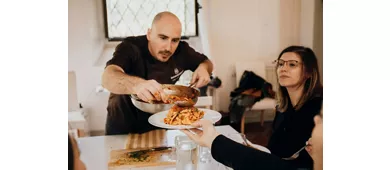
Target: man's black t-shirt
133	56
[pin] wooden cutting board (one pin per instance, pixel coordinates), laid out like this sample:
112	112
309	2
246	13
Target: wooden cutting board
121	159
155	138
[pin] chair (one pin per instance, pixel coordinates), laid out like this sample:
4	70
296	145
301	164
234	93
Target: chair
259	68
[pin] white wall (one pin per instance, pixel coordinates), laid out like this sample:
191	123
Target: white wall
317	39
311	28
85	44
241	31
307	23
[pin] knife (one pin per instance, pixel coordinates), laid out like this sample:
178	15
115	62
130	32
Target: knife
151	149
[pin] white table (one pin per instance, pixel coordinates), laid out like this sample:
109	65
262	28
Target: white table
95	151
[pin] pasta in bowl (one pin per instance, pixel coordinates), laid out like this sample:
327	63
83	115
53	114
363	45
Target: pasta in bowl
183	115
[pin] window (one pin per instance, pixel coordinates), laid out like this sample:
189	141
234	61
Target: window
125	18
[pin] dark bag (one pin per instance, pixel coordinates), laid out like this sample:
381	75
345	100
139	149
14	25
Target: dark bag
252	88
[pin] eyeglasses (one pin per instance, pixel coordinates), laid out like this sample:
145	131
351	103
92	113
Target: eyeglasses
290	63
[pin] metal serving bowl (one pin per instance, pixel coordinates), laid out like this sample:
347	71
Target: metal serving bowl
169	89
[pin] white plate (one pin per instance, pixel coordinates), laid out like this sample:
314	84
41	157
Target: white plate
157	119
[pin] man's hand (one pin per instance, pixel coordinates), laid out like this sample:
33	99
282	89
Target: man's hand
149	90
201	76
205	137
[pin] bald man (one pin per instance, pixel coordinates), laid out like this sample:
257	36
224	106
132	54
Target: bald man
140	64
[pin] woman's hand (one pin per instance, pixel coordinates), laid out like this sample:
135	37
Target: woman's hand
203	137
309	148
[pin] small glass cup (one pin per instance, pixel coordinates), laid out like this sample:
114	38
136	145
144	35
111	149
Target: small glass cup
186	153
205	155
177	139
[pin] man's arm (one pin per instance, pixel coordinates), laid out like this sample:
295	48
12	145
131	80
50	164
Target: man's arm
208	65
202	73
116	81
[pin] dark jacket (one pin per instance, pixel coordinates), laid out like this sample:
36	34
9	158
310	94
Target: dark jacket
291	130
238	156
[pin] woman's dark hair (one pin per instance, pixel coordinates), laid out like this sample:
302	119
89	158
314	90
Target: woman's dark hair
70	154
312	85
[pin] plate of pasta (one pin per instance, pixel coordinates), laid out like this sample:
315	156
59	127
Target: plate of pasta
182	117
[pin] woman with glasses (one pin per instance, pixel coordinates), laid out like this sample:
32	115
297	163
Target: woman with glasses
300	100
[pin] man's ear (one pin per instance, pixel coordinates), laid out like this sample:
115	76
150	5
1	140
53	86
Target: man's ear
148	33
